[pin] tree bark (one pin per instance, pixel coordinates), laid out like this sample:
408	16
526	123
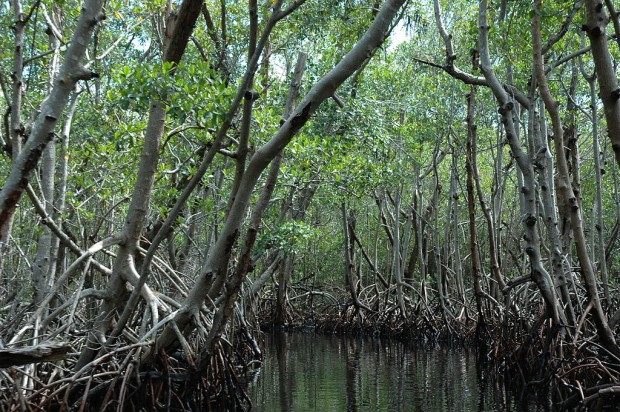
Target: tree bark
16	128
538	272
44	259
471	204
249	97
215	266
124	267
565	191
596	22
51	109
598	244
350	273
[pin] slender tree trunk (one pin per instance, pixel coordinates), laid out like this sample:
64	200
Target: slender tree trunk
44	259
248	102
599	244
350	270
61	188
496	203
567	194
408	274
471	203
436	262
396	255
490	219
217	262
537	130
538	272
16	128
51	109
613	15
457	259
596	22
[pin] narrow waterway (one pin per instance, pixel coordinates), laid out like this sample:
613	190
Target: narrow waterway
309	372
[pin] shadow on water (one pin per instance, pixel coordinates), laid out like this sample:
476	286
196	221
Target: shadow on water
308	372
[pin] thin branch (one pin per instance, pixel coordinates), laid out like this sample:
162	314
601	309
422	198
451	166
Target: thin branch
564	28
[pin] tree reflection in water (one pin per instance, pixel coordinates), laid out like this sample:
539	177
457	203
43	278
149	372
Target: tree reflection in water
308	372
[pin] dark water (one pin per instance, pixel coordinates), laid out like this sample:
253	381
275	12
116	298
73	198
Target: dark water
308	372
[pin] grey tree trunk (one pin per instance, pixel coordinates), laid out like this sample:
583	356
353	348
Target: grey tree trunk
71	71
249	97
17	130
598	246
435	257
396	251
491	219
44	260
537	131
566	192
596	22
471	204
350	268
124	267
217	262
538	272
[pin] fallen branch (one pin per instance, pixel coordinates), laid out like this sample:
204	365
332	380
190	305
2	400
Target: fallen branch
43	352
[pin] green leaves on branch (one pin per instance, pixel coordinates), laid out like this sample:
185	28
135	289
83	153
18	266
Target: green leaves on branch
196	93
291	237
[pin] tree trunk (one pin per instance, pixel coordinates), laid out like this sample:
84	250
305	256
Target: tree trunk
249	97
598	245
567	194
217	262
50	111
471	203
538	272
124	266
537	131
396	254
44	259
596	22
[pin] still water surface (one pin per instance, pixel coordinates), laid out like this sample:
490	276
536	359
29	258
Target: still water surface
308	372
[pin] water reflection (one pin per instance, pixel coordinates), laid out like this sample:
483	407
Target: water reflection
306	372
